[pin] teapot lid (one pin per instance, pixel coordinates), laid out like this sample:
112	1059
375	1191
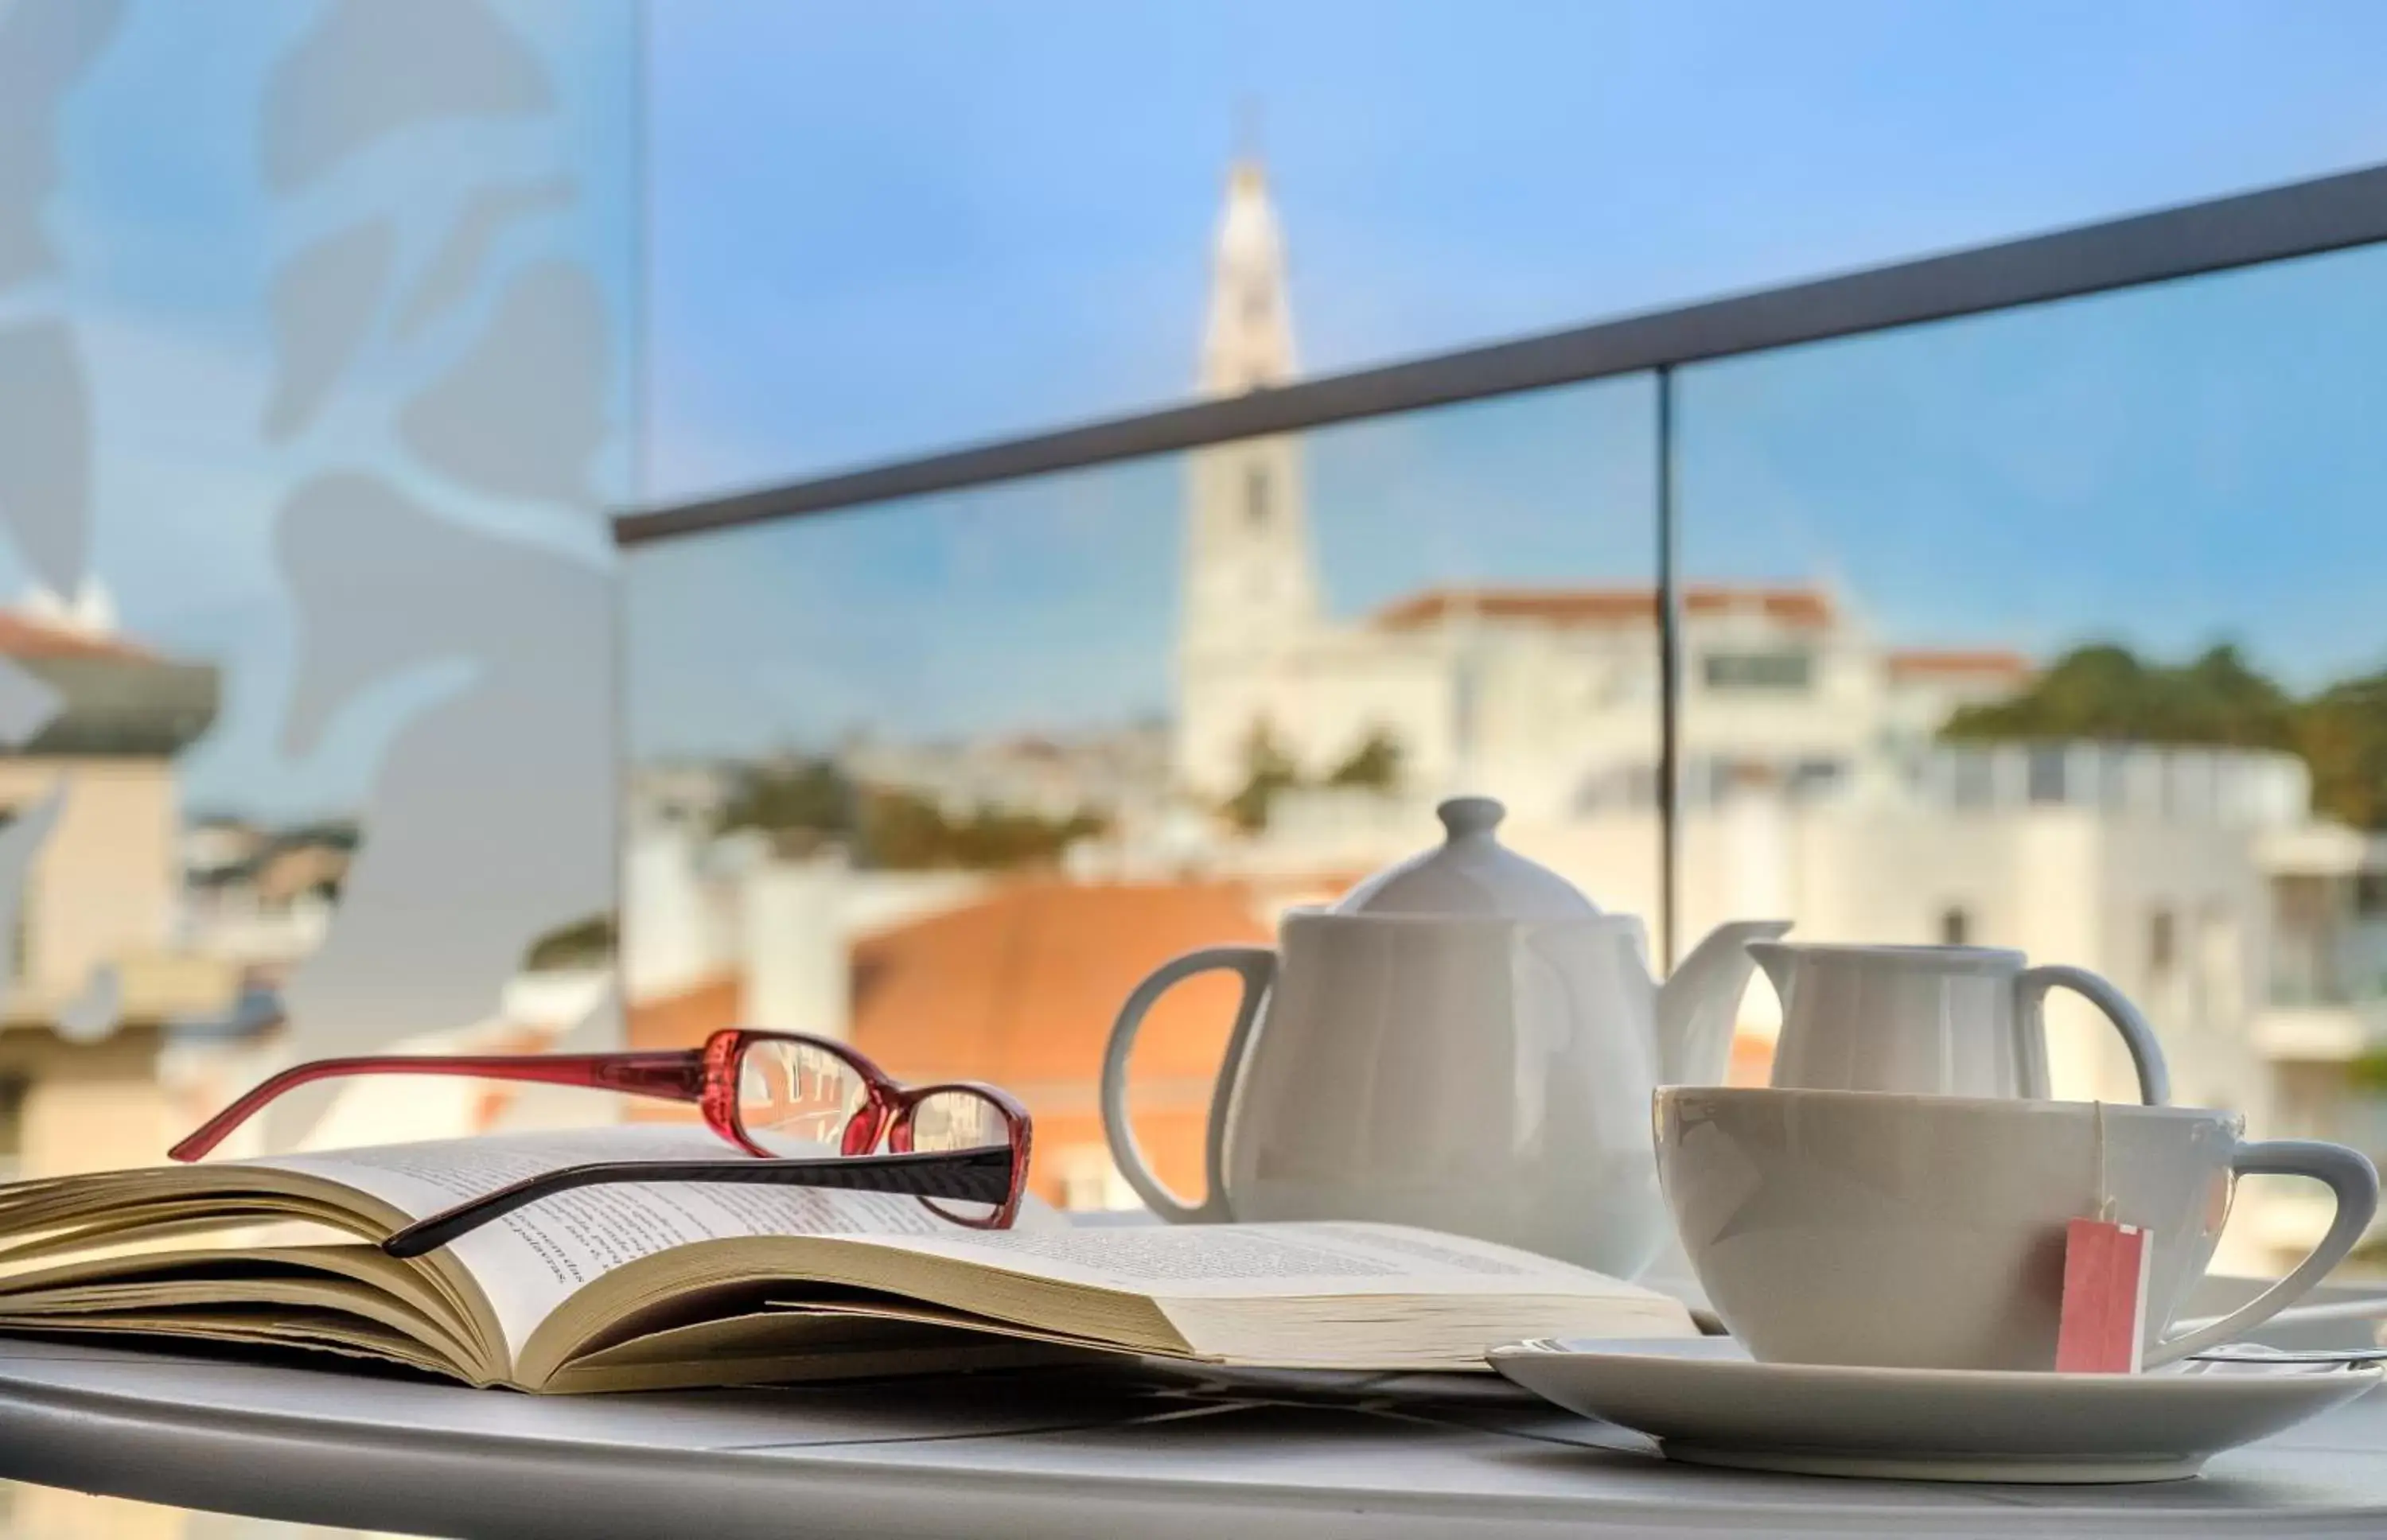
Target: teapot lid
1471	873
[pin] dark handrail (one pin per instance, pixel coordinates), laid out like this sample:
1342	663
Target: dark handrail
2299	219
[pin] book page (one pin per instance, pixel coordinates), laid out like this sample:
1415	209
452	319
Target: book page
531	1261
1259	1261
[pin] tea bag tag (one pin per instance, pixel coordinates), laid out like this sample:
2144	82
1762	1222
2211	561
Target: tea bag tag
2103	1323
2102	1327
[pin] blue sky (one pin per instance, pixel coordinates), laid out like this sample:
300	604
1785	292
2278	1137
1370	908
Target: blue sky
2170	467
876	228
1051	604
170	241
880	235
882	225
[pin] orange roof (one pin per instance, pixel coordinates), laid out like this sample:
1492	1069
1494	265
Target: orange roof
1020	986
1998	662
24	636
1805	607
687	1018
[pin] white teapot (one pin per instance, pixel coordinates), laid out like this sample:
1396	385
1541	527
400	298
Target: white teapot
1463	1042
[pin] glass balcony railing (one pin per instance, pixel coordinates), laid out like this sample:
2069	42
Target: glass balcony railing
2050	627
322	352
952	775
2090	629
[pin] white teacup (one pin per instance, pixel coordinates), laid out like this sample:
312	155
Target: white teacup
1842	1227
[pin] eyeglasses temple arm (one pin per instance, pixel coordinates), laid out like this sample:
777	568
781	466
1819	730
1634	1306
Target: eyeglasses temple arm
675	1074
962	1175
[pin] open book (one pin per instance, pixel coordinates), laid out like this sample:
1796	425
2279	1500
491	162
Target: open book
645	1286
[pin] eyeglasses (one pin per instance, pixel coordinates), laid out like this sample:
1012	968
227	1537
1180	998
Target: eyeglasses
960	1147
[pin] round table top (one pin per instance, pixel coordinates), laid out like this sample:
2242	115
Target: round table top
1143	1449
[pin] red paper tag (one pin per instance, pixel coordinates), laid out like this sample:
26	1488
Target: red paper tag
2102	1328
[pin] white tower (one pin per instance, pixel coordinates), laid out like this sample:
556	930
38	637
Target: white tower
1250	590
1247	562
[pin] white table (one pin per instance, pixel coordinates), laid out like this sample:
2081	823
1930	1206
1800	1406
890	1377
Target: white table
1138	1451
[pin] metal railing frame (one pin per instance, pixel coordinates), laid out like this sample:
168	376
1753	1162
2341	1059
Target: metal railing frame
2302	218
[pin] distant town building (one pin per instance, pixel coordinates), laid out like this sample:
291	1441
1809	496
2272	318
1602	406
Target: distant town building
1305	750
1542	697
1812	780
1103	774
101	984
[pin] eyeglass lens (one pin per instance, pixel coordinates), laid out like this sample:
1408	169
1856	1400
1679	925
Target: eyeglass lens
953	1120
796	1100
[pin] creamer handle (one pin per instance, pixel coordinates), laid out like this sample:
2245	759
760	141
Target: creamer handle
2030	1008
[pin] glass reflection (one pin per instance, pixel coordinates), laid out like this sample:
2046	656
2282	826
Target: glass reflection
949	776
2070	643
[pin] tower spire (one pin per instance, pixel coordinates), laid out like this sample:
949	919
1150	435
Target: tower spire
1248	340
1250	584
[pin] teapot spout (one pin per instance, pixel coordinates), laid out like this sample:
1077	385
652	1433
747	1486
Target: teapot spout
1697	1006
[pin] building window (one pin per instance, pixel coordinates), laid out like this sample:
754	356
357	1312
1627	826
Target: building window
2044	773
1972	781
2163	942
1955	926
1816	777
1256	497
1698	782
2219	982
1784	672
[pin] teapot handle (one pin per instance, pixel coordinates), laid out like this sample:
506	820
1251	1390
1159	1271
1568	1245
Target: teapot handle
1257	967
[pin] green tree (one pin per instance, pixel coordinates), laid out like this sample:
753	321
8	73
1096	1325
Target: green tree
809	796
2105	691
1375	763
893	828
902	830
1268	770
582	944
2342	733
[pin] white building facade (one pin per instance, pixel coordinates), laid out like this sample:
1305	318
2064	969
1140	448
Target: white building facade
1813	782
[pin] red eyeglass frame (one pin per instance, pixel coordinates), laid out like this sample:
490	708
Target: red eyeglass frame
706	1076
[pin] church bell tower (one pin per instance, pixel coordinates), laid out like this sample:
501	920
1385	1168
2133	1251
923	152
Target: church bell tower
1248	585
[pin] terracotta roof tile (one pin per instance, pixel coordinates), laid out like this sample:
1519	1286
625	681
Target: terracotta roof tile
1020	986
687	1018
23	635
1925	661
1609	607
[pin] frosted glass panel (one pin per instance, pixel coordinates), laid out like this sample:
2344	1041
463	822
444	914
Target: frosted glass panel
314	391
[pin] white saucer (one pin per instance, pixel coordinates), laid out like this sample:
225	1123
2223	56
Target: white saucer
1706	1402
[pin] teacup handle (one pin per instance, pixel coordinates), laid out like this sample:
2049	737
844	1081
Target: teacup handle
2349	1175
2031	1010
1257	967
